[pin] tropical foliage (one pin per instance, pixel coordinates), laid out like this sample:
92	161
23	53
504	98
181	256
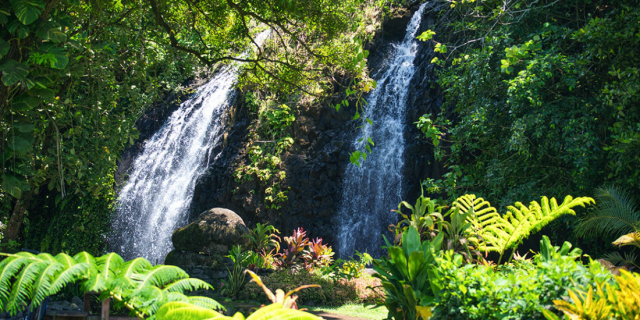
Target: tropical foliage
76	75
472	226
541	97
407	276
422	281
616	214
522	290
27	279
499	233
620	300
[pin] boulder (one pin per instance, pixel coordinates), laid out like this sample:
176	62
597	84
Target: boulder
213	232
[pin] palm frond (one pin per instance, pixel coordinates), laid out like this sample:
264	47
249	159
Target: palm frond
615	214
616	258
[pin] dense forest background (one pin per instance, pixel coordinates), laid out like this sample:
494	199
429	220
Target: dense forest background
541	97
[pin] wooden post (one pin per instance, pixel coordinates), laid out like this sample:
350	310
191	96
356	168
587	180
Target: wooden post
105	309
87	303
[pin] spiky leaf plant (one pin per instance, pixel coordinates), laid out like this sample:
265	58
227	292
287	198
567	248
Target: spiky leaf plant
619	301
27	279
499	233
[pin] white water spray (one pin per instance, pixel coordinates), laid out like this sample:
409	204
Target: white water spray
155	200
371	191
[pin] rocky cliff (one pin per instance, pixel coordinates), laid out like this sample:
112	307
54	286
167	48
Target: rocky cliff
323	139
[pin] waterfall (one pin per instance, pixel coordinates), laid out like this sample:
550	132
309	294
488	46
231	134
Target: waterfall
158	192
370	192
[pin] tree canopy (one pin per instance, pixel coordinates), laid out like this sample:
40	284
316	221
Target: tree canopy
76	75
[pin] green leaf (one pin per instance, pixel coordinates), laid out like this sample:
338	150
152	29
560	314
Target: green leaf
59	53
54	34
18	143
45	94
370	141
13	72
24	127
356	116
4	47
24	102
27	11
5	13
11	184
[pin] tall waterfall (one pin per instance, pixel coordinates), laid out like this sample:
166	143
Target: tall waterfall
157	195
371	191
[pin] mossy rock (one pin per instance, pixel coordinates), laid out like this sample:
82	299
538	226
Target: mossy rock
214	232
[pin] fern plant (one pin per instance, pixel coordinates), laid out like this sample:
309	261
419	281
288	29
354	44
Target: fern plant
499	233
27	279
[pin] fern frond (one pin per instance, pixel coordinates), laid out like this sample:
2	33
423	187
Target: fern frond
188	284
67	275
499	233
42	285
106	270
136	265
616	214
205	302
484	213
159	276
523	220
149	299
65	259
47	258
108	265
84	257
22	287
9	268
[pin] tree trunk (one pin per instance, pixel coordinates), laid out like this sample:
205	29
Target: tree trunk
13	227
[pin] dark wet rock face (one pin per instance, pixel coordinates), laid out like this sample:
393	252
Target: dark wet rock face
316	163
323	140
214	232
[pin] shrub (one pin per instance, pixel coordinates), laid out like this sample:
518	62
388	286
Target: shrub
330	293
517	291
368	289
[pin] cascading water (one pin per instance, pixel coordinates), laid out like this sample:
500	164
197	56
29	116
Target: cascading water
155	200
371	191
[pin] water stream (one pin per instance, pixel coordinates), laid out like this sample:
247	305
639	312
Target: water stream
156	197
370	192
